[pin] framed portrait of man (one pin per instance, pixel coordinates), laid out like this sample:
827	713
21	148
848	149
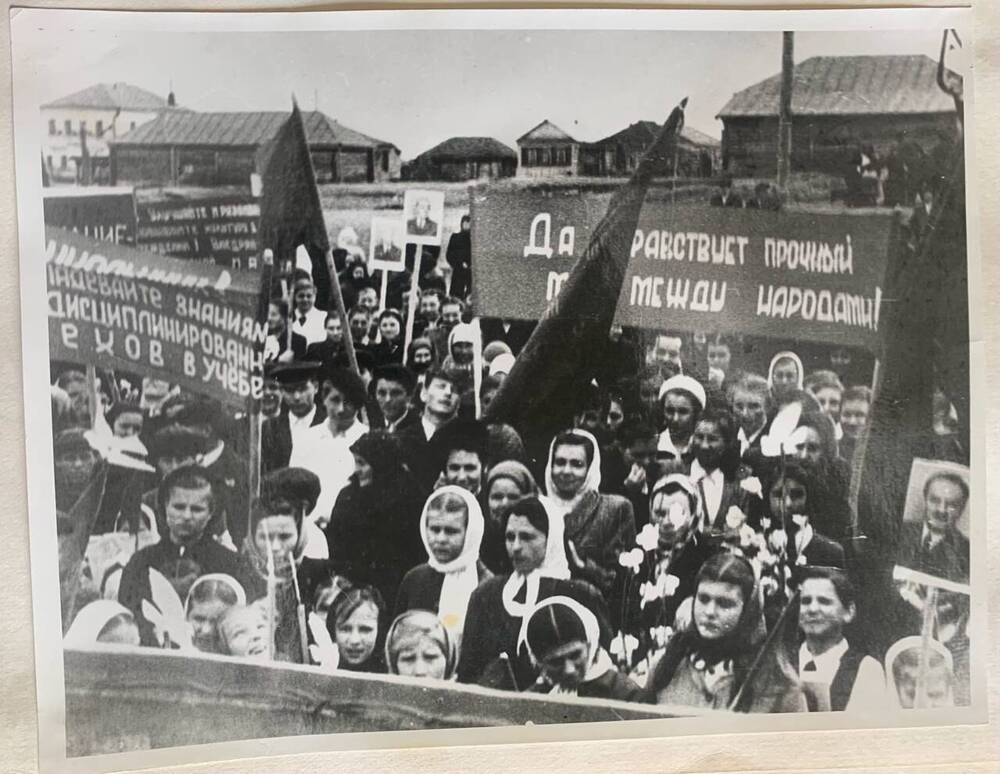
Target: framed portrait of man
423	212
385	251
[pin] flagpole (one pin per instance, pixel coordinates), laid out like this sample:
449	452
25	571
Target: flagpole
338	302
383	295
411	307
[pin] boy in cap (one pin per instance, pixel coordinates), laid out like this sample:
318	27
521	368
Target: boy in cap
299	384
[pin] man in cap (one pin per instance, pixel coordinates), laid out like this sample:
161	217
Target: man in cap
299	412
682	399
440	398
309	321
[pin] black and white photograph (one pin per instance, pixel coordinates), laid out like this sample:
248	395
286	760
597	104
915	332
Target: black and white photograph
619	384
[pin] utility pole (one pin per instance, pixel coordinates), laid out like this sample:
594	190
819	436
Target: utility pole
785	109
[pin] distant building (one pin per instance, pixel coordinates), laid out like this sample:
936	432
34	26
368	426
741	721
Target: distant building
548	151
618	155
218	149
839	103
104	112
464	158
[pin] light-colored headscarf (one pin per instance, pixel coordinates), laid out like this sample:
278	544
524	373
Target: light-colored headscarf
221	577
554	565
558	507
786	355
598	661
91	620
461	575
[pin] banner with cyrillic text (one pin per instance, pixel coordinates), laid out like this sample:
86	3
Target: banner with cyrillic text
222	229
186	322
814	276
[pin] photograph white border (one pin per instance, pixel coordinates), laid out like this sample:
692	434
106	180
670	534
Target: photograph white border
35	365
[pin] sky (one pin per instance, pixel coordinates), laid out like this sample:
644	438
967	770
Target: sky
418	88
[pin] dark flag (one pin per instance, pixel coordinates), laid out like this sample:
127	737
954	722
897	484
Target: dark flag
925	328
73	547
566	349
290	209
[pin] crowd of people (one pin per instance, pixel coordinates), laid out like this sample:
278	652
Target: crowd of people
688	541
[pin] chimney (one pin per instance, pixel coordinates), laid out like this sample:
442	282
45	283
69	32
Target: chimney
171	99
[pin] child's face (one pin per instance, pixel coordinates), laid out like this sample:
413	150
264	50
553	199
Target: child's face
422	658
566	665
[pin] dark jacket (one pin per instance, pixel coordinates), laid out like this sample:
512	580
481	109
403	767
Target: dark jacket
421	588
181	566
600	527
515	338
491	631
459	257
949	559
276	439
611	685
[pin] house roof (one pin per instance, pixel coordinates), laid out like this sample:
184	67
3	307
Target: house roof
638	136
111	96
472	148
849	85
242	130
545	132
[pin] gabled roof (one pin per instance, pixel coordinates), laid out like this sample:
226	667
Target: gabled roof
638	136
545	132
849	85
242	130
471	148
111	96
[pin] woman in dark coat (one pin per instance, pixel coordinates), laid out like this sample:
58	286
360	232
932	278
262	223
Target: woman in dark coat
490	654
374	530
708	665
507	482
451	527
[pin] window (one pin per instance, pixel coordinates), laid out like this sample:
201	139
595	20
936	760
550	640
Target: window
526	157
83	127
132	126
385	161
52	126
62	162
68	127
99	129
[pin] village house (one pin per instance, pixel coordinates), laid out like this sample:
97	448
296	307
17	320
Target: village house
463	158
698	155
839	105
218	149
102	112
548	151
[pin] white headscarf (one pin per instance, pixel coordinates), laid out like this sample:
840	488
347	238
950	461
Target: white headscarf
787	354
598	661
228	580
554	565
89	622
461	575
558	507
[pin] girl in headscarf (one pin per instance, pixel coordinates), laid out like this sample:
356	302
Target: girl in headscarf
451	527
276	535
102	621
390	346
374	530
596	527
418	645
506	483
461	356
207	601
708	664
489	654
355	624
784	374
562	638
421	355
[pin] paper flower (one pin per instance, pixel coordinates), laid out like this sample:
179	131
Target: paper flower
623	646
778	540
752	485
735	518
765	522
747	535
661	635
801	560
647	539
631	559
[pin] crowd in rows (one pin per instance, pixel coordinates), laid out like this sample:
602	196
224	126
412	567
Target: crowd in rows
688	541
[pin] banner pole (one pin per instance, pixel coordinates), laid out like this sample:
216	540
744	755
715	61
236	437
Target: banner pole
338	300
411	307
383	295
